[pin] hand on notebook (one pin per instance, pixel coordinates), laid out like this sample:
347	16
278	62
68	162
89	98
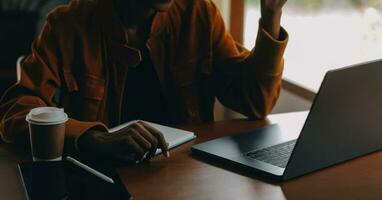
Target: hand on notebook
139	139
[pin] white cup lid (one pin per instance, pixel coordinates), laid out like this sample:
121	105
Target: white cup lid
47	116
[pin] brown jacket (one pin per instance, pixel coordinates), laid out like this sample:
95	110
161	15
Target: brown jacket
80	60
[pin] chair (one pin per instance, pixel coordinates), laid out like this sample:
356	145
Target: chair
18	67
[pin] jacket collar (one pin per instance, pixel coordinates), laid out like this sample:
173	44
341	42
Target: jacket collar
113	31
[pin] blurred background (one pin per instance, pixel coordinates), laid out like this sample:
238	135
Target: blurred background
20	22
324	35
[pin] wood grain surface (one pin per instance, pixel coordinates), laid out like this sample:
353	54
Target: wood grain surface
184	176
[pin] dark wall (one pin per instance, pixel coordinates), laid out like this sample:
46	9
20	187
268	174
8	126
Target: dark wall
20	22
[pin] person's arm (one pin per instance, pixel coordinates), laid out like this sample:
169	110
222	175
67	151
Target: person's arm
249	82
40	80
271	11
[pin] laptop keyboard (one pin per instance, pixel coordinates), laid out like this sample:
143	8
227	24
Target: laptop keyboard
277	155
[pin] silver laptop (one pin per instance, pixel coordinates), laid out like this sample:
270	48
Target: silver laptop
345	122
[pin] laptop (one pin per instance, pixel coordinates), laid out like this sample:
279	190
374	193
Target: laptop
344	122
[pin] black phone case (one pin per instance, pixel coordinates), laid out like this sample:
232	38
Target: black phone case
63	181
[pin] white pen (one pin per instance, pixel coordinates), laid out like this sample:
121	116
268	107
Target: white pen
89	169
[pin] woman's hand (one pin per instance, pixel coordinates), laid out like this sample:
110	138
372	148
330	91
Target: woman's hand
131	144
271	11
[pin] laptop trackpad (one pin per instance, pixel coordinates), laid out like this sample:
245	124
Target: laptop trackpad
242	143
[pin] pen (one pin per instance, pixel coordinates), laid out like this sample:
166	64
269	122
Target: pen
89	169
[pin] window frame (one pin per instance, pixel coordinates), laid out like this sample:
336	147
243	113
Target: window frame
237	17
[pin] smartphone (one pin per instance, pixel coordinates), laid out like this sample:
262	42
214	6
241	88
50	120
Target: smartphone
63	181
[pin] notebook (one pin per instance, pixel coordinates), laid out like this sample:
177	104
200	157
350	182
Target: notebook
175	137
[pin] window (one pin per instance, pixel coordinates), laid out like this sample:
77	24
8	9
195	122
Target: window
324	35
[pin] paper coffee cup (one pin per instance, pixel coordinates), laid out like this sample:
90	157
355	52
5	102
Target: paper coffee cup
47	133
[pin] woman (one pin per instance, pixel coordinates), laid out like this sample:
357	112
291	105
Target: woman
108	62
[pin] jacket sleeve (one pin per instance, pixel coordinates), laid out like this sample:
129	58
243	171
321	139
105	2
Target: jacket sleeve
40	80
248	82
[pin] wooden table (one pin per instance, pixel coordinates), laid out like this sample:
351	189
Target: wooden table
184	176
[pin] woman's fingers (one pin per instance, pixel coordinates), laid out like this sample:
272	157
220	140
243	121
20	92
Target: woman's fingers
135	147
139	139
161	140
